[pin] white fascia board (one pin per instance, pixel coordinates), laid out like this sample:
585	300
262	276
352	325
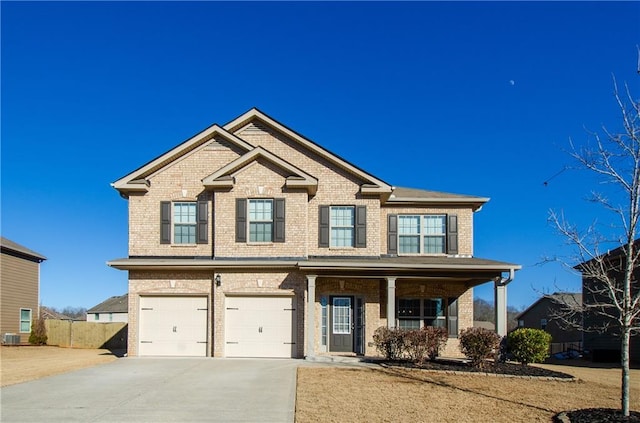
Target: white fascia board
125	183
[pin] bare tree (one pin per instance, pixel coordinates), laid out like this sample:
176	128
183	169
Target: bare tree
611	295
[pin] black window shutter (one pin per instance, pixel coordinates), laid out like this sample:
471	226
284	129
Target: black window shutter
452	234
392	234
165	222
361	227
452	317
278	221
241	220
323	227
202	218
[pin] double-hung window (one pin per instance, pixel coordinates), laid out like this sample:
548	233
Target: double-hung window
25	320
184	223
342	226
260	220
422	234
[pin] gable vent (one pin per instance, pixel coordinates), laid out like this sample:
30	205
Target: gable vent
218	144
255	127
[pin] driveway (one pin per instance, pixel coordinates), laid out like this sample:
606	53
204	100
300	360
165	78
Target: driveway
159	390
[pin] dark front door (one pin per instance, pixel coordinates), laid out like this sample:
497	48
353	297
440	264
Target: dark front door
341	324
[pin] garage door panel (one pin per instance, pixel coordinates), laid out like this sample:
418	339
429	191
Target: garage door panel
260	327
173	326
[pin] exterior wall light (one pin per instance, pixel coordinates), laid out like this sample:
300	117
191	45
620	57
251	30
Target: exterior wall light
218	280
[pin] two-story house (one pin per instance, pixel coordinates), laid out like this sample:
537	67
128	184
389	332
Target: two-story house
250	240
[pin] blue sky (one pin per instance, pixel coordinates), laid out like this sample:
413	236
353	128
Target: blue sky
474	98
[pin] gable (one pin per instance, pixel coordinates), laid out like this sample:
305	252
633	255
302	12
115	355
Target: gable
262	130
213	138
294	177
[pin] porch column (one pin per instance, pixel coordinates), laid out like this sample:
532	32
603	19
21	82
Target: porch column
500	297
391	302
311	315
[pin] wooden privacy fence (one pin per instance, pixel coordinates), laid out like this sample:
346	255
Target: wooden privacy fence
77	334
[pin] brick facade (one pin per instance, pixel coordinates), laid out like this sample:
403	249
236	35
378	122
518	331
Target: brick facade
179	175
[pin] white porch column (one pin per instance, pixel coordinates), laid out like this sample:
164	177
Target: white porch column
500	297
311	316
391	302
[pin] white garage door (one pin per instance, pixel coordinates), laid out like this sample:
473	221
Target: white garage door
173	326
260	327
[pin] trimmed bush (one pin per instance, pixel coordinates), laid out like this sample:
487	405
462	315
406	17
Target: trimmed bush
436	340
390	342
478	344
529	345
38	334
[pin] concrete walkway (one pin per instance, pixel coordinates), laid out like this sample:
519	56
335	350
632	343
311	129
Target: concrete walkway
159	390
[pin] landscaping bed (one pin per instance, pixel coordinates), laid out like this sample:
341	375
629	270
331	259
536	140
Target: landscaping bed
505	369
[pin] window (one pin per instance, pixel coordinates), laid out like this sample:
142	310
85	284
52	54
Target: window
184	223
25	320
264	219
520	323
260	220
96	316
342	316
342	226
543	324
422	234
415	313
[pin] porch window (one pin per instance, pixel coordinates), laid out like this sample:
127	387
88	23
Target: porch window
323	305
414	313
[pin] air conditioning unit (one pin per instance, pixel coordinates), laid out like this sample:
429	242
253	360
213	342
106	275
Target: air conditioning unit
11	339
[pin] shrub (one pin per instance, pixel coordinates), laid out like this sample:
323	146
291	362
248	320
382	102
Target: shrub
478	344
38	332
415	345
529	345
390	342
436	340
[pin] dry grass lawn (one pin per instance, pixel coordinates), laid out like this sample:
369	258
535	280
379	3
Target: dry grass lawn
24	363
331	394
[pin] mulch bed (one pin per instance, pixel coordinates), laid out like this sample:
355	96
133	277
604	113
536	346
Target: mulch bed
509	369
591	415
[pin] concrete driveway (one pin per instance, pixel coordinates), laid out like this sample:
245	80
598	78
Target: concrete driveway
159	390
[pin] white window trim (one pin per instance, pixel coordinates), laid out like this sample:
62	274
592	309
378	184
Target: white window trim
421	234
174	223
249	221
30	319
352	227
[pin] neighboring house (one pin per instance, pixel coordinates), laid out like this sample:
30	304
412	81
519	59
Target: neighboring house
20	288
250	240
545	314
605	346
49	314
115	309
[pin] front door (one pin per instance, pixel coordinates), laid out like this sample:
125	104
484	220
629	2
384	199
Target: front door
341	324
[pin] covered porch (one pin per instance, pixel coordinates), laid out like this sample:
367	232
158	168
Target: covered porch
348	299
